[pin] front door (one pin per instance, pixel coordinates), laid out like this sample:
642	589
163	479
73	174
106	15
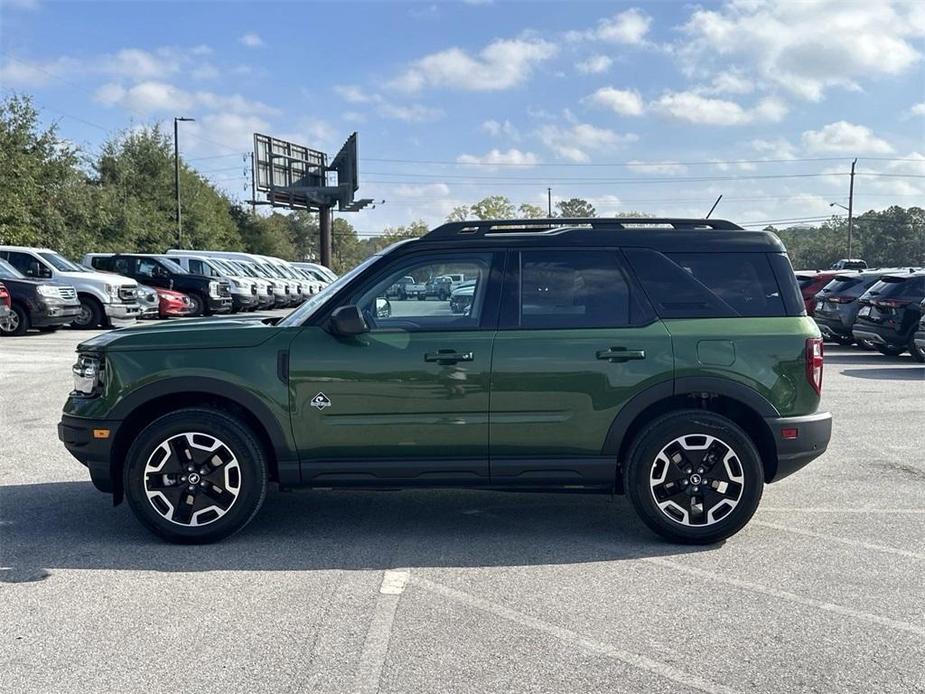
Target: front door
407	401
575	343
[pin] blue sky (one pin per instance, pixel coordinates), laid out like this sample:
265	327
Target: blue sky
657	107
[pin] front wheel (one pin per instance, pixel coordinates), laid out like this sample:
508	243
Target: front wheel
17	323
694	477
195	476
90	316
197	305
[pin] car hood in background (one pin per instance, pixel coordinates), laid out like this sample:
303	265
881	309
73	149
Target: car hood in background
107	277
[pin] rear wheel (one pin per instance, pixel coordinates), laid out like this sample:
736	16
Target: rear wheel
694	477
842	339
17	323
889	350
195	476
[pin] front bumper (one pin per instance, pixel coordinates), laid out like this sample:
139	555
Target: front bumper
123	311
812	438
77	435
220	304
49	314
243	301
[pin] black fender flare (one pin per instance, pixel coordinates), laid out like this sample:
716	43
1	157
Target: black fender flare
687	385
281	443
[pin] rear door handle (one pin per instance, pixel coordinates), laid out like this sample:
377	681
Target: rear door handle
616	355
447	356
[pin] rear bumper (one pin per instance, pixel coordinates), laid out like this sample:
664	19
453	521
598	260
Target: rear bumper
832	325
812	438
879	335
77	435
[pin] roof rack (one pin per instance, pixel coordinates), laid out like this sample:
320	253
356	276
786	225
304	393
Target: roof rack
482	228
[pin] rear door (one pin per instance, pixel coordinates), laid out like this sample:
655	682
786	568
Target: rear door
576	342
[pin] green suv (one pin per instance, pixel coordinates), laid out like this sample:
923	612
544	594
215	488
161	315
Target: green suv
667	359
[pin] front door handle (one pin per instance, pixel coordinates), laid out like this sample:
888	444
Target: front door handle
616	355
447	356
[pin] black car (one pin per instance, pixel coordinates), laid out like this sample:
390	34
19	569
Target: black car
918	340
892	316
36	303
838	302
207	295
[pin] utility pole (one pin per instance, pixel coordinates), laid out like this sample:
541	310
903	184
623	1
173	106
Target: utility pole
324	230
253	186
549	202
851	206
176	175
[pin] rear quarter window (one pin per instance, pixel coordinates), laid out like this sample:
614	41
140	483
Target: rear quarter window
709	285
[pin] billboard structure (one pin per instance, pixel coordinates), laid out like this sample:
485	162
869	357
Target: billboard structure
299	177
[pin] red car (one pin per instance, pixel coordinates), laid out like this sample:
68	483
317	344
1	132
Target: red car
173	304
811	283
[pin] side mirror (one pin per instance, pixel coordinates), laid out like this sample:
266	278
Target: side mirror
383	308
347	321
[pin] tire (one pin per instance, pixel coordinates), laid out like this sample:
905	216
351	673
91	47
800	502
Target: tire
225	497
91	314
17	324
197	305
842	340
918	353
675	515
889	350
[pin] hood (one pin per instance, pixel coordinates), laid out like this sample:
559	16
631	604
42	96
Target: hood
105	277
203	333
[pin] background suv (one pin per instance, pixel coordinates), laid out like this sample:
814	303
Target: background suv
36	303
671	360
103	298
892	316
838	303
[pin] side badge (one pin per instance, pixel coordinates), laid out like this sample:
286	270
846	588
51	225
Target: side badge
321	401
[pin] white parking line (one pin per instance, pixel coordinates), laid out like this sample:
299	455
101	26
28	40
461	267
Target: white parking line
840	540
376	645
573	638
816	509
790	597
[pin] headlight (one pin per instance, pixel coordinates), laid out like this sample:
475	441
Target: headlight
112	289
166	297
88	373
236	283
213	288
49	291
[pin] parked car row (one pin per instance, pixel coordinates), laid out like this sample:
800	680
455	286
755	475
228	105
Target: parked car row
877	308
46	290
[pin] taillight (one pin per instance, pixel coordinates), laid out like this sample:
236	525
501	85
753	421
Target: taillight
891	303
814	363
840	299
5	297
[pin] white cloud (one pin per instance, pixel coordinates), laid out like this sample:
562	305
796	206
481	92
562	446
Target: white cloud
731	166
668	168
805	47
425	190
625	102
577	140
775	149
352	94
691	107
16	72
500	129
512	158
917	109
594	65
628	27
729	82
153	96
502	64
411	113
843	137
234	130
251	40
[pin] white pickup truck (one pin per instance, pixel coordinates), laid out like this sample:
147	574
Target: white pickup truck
104	297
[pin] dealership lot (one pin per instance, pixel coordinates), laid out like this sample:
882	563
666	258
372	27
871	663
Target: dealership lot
455	591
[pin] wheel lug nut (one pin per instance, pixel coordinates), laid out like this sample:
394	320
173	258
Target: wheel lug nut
192	487
696	489
190	468
204	471
700	470
183	479
203	484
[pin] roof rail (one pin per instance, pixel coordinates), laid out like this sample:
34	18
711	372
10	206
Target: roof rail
482	228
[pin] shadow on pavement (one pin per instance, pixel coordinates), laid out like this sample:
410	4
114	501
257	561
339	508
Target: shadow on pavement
895	374
69	525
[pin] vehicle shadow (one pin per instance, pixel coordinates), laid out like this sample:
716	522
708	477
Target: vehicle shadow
895	374
69	525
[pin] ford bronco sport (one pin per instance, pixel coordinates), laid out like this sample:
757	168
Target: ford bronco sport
668	359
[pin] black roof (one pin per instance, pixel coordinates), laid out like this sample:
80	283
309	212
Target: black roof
669	234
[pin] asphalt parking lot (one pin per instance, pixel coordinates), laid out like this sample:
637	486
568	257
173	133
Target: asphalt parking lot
457	591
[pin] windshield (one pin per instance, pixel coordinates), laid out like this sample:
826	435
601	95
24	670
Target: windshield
224	267
172	265
8	272
303	312
270	270
287	272
244	268
61	263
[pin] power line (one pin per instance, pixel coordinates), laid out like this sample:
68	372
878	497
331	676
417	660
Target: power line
631	163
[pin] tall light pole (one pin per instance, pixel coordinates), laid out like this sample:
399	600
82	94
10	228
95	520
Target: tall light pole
851	206
176	174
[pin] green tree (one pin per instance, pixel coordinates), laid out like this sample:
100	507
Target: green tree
529	211
493	207
459	214
575	207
